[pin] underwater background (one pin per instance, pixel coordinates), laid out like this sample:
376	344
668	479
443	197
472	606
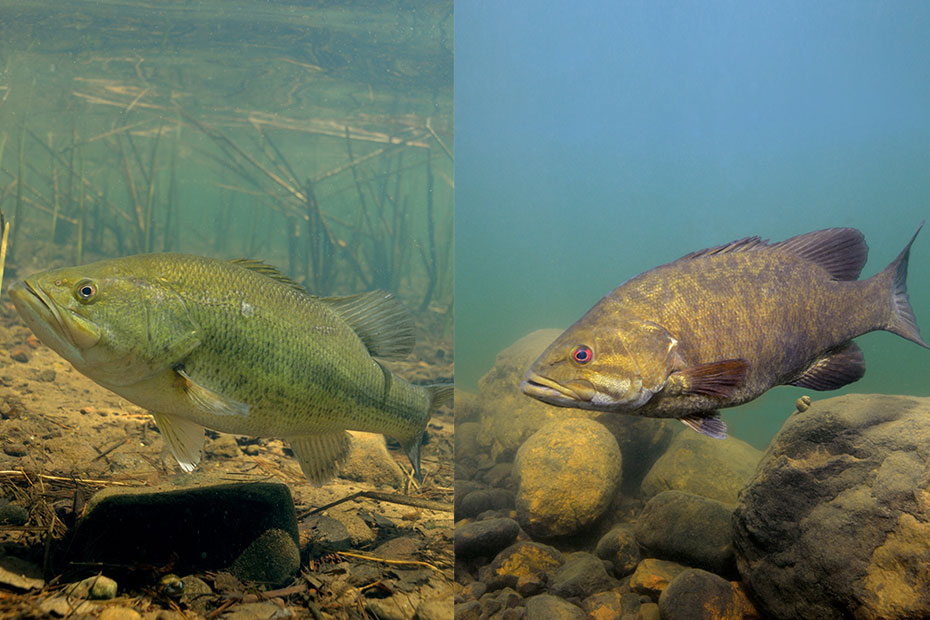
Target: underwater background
597	141
316	136
313	135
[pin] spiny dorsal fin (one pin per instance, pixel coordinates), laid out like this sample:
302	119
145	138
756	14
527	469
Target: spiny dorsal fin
270	271
841	251
379	319
740	245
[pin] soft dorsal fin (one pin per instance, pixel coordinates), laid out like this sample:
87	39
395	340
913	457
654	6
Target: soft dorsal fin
740	245
270	271
379	319
841	251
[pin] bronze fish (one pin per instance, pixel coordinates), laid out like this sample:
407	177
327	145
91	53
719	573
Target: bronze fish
719	327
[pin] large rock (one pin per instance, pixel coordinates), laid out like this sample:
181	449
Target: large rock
523	560
620	548
652	576
369	461
549	607
484	538
689	529
567	474
836	522
581	576
508	416
192	529
704	466
696	594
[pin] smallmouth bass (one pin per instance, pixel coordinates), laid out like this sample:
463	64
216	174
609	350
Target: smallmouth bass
719	327
237	347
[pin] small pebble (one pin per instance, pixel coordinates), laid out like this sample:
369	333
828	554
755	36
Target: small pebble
119	613
88	410
803	404
171	586
225	447
98	587
15	449
32	341
20	354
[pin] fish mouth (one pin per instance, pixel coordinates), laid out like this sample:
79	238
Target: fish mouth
43	315
26	295
549	391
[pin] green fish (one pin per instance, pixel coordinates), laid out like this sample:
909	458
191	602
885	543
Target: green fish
237	347
721	326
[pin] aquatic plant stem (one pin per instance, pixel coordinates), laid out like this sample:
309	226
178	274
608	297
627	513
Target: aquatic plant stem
80	231
4	232
20	181
55	199
429	259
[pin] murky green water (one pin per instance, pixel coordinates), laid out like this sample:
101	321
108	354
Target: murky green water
315	137
597	143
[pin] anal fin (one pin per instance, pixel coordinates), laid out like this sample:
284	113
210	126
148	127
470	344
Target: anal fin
185	438
833	370
320	455
711	379
707	423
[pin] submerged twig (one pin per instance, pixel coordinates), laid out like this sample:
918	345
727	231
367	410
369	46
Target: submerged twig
372	558
393	498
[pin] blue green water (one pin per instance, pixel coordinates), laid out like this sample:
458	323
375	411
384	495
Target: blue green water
598	141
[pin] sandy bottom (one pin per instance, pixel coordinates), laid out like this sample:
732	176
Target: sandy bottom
63	437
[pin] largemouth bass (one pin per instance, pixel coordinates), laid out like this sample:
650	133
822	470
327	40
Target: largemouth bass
721	326
237	347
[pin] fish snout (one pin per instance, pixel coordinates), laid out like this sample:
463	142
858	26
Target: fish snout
569	394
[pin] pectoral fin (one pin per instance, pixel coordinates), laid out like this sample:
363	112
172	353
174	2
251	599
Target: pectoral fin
185	438
712	379
207	400
834	370
321	455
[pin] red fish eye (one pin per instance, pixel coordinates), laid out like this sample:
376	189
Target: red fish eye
582	354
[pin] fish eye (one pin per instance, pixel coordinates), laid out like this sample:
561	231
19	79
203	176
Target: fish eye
582	354
85	291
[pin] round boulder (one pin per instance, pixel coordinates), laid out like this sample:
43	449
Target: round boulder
836	521
567	473
697	464
689	529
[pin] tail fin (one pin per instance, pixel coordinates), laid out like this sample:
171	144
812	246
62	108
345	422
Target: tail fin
903	322
439	394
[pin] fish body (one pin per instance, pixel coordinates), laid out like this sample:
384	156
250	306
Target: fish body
721	326
236	347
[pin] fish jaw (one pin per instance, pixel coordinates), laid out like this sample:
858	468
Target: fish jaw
582	394
575	394
62	330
